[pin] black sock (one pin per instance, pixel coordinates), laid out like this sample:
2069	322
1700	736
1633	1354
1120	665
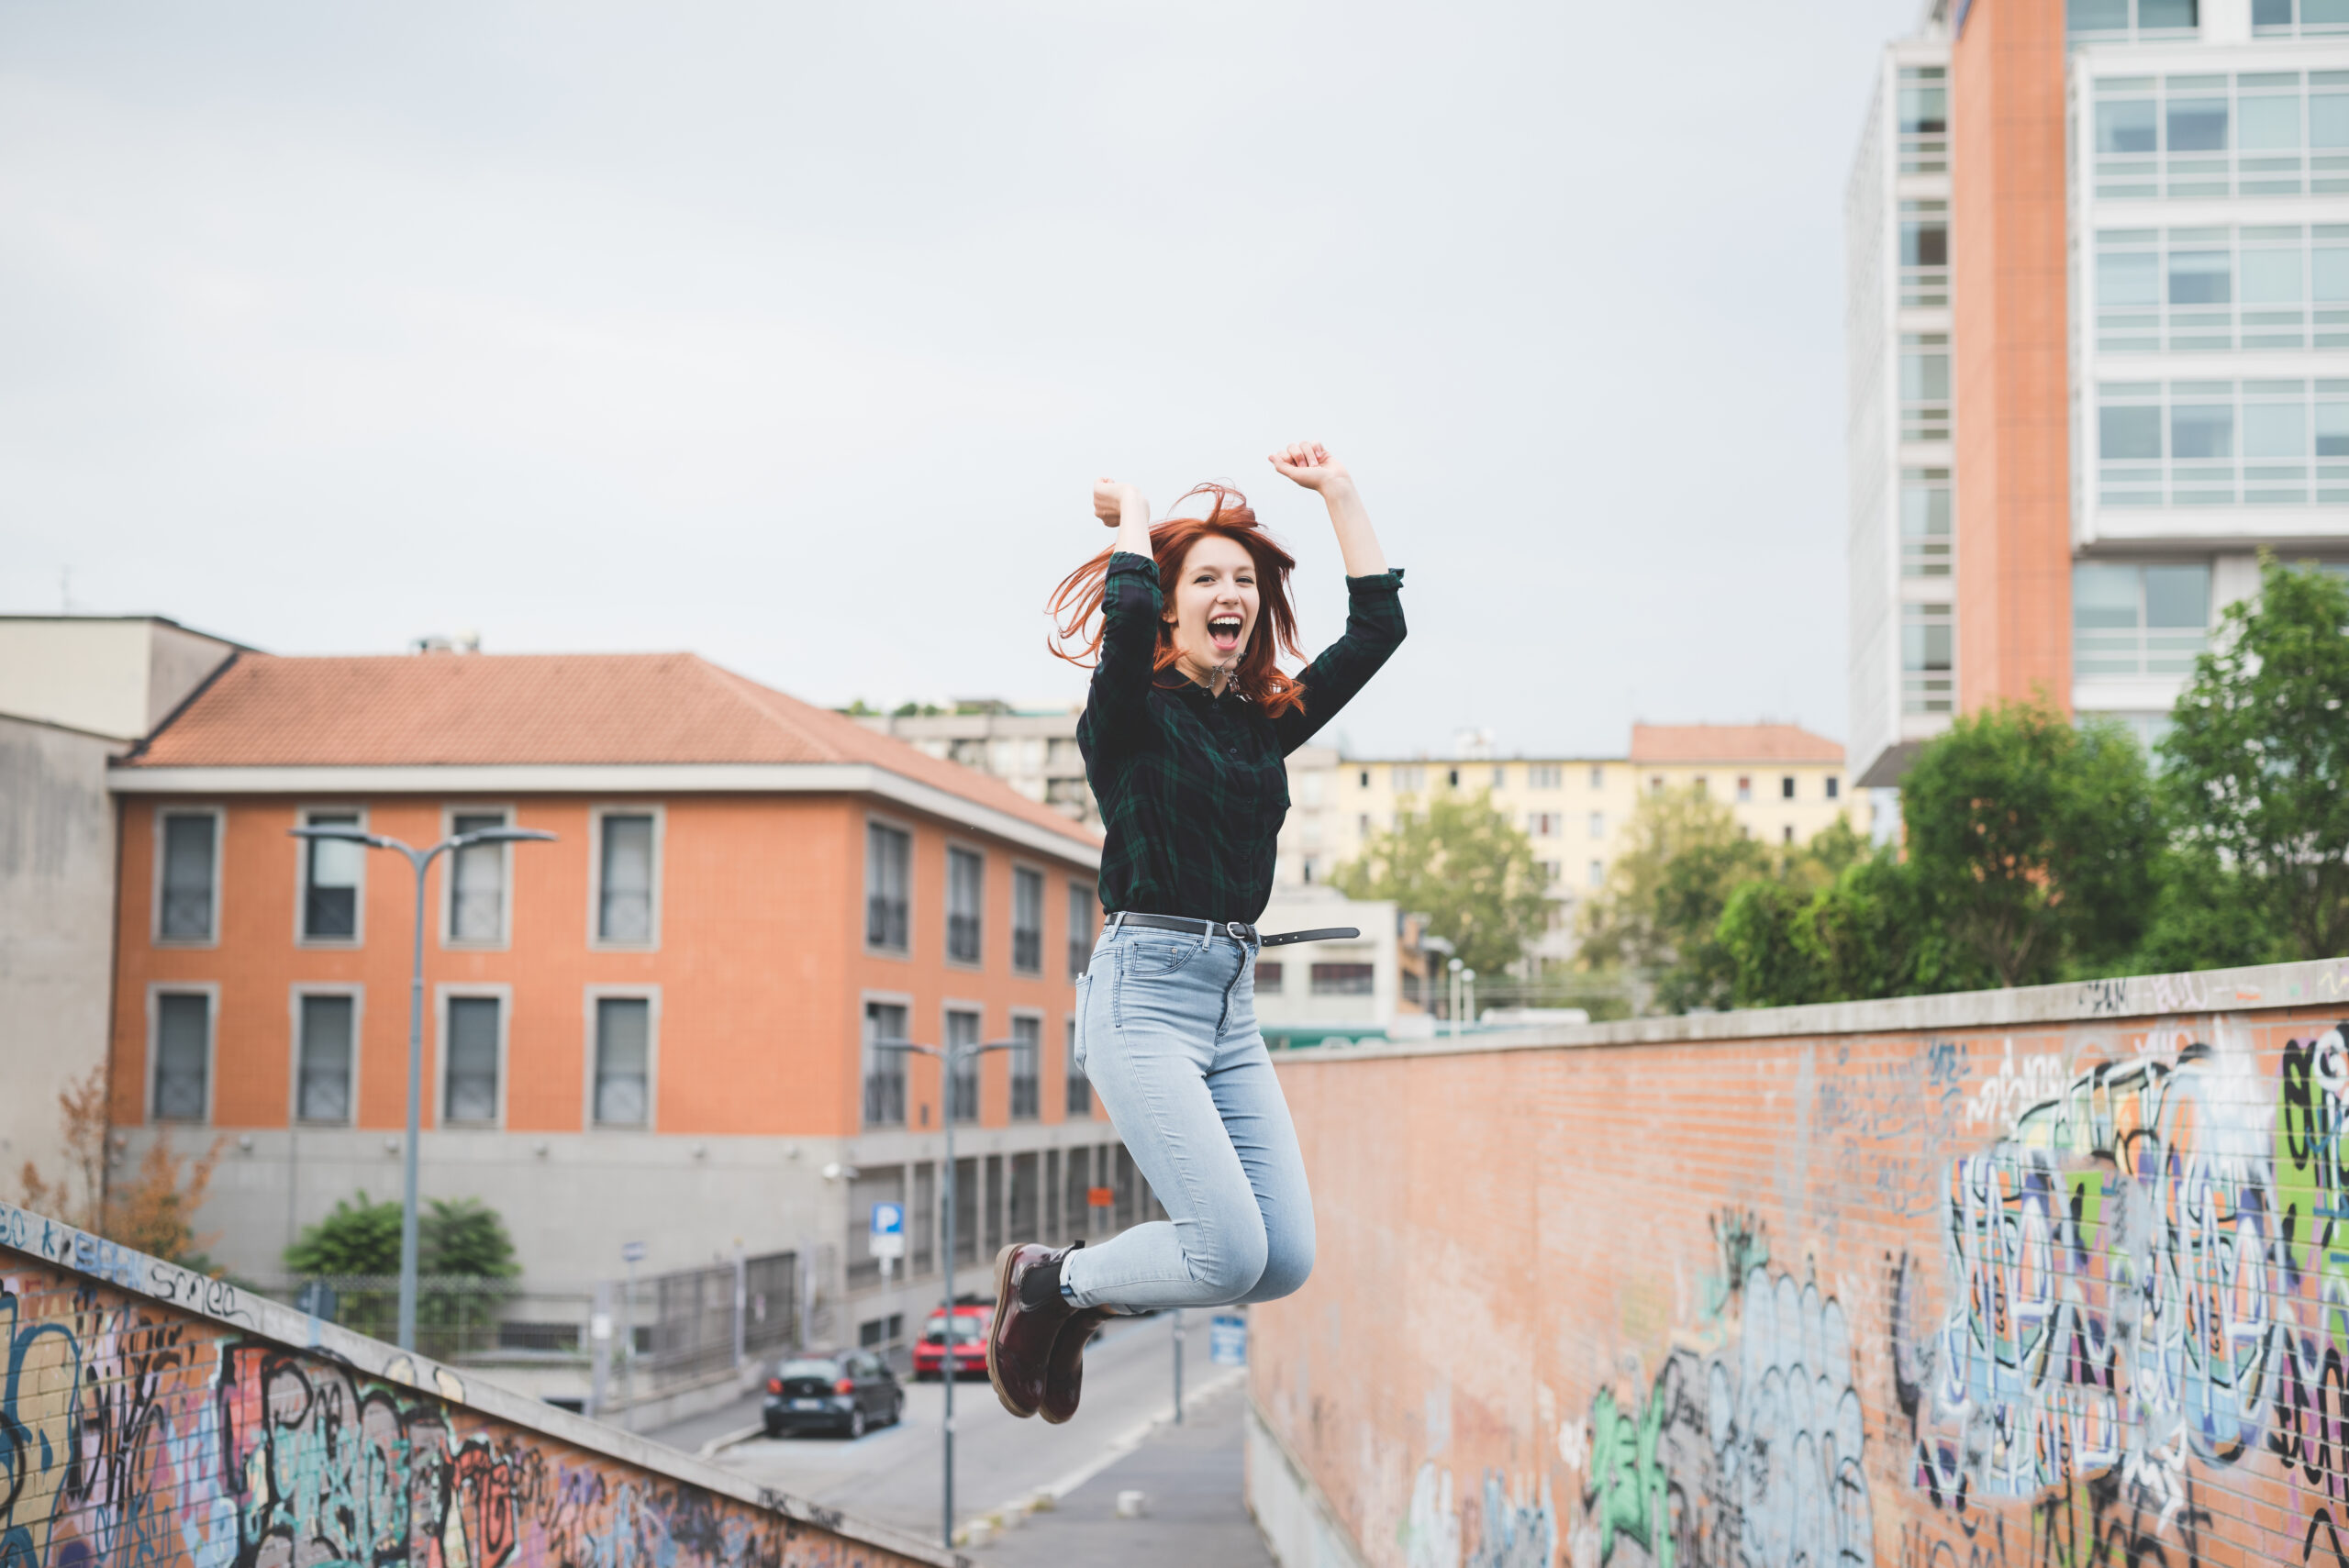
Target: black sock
1041	1285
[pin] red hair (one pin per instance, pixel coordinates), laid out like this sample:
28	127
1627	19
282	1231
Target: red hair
1076	602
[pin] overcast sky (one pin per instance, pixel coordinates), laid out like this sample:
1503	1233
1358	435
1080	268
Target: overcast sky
796	336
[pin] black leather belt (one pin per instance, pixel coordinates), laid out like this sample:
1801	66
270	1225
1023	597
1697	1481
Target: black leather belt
1238	931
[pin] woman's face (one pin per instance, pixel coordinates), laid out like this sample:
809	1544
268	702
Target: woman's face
1214	608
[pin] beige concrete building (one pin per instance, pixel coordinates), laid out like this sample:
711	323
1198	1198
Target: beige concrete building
75	690
1032	750
1782	782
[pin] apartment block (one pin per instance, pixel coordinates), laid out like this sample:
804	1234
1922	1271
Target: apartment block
663	1026
2116	371
1033	751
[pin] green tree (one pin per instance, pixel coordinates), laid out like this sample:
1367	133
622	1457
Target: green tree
454	1236
1467	868
2034	844
1660	911
2256	762
1865	934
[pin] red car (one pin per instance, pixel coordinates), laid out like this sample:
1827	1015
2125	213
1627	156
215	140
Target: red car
970	1323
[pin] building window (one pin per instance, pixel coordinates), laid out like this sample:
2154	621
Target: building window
1787	787
1078	1092
624	891
2123	19
1082	907
1500	778
1744	789
477	882
1925	386
888	872
1599	824
1545	824
2137	620
190	853
1835	787
182	1056
1597	877
330	872
1364	780
2305	15
1342	980
2178	443
1404	781
2209	135
965	888
1598	776
323	1050
1452	779
469	1094
1027	1067
1553	872
1924	255
1545	775
1698	785
623	1062
885	1070
1924	119
962	1073
2215	288
1928	659
1656	783
1268	975
1362	825
1924	522
1027	920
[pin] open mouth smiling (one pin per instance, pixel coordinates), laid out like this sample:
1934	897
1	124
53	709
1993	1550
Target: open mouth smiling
1223	630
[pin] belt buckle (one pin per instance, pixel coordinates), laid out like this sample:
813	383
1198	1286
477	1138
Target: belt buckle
1237	931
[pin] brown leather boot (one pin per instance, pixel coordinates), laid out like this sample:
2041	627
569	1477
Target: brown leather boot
1020	1342
1065	1374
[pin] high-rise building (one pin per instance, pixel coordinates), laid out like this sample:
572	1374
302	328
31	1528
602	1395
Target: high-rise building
2099	336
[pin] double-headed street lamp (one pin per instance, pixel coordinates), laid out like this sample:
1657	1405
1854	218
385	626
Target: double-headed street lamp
421	859
948	1059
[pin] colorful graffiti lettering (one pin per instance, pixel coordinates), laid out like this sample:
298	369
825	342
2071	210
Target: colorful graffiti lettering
134	1434
1753	1457
2147	1273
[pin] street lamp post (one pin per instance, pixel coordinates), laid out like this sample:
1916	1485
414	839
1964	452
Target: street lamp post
421	859
947	1059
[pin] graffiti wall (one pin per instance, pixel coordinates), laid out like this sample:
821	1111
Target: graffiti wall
2052	1278
134	1430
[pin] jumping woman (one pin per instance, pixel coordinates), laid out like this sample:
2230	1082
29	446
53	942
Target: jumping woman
1183	736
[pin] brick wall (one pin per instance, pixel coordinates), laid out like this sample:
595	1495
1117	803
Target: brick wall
2052	1276
152	1415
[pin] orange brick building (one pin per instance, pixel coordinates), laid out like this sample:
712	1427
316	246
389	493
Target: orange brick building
656	1029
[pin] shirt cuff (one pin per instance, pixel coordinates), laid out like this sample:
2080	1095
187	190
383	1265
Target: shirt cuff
1387	582
1126	561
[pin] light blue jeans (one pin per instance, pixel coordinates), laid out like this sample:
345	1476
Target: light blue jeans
1166	1032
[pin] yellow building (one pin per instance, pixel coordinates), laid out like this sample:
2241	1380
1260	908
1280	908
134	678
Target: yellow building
1782	784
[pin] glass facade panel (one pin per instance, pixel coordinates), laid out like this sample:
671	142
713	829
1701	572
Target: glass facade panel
182	1056
322	1071
188	855
1925	522
470	1090
2130	620
623	1060
624	911
1928	659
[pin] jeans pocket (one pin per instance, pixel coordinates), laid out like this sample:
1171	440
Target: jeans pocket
1151	957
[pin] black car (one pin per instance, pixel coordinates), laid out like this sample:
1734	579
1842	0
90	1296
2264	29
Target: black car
832	1391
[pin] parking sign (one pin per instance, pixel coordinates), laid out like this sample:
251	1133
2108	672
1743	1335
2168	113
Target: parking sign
886	1239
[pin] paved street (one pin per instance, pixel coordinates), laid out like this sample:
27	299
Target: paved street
891	1476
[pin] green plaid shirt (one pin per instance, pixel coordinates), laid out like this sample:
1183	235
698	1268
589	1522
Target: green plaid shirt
1191	785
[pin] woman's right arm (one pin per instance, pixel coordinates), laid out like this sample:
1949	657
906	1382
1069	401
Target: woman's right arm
1119	703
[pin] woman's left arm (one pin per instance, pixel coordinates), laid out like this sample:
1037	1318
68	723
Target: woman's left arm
1374	609
1309	464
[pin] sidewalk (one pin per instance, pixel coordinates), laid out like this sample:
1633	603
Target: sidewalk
1190	1475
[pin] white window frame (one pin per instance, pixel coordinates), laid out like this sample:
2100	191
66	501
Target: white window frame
155	937
293	994
210	991
504	938
596	815
442	994
864	891
649	995
888	999
306	816
1014	1015
946	1072
946	924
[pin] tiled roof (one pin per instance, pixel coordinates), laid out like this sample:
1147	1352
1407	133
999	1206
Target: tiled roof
406	710
1731	743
